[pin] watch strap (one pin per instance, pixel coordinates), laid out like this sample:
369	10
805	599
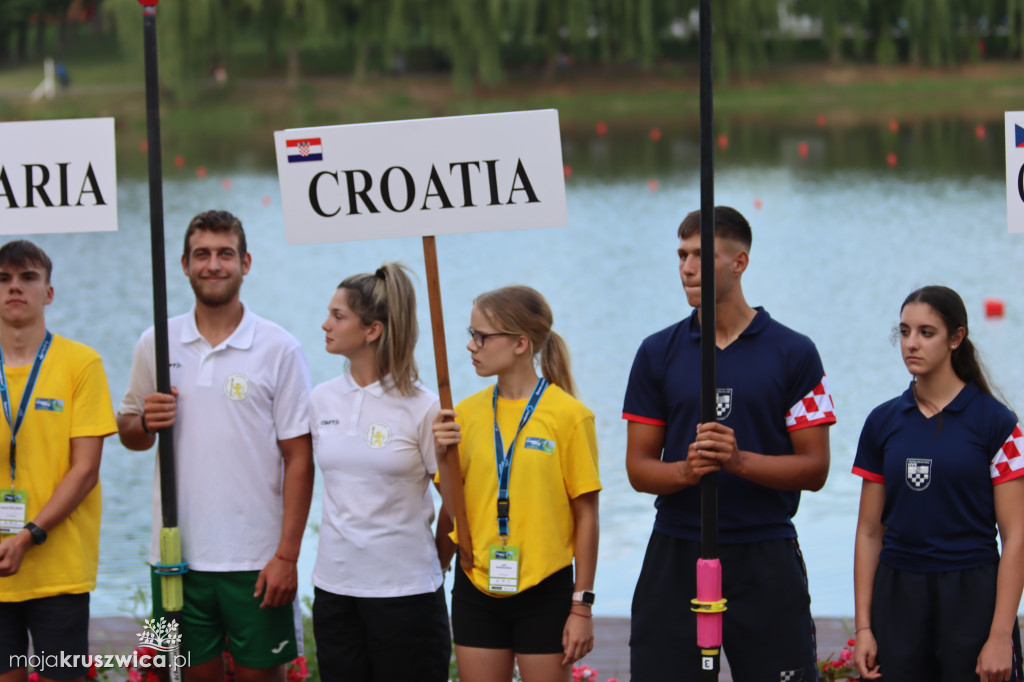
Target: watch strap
585	597
38	534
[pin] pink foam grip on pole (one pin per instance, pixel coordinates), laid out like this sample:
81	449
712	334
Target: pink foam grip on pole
709	589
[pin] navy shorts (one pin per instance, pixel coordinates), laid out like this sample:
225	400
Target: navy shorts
530	622
933	625
371	639
60	631
768	632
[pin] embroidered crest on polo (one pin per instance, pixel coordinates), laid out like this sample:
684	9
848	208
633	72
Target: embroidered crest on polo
237	387
377	435
791	676
919	473
723	403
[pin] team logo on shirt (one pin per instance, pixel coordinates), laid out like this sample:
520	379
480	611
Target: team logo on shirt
919	473
723	403
377	435
236	387
791	676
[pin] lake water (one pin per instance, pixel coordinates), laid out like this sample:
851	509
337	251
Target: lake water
840	238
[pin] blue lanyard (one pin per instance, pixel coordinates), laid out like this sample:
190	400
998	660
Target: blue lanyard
503	460
26	396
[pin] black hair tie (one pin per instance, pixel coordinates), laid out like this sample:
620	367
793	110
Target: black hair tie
380	273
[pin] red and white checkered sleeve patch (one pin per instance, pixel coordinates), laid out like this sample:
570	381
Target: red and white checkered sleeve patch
813	409
1008	462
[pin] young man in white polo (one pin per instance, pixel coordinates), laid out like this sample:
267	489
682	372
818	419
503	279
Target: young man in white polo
57	412
240	412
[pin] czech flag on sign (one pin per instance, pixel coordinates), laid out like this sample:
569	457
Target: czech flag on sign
309	149
1019	135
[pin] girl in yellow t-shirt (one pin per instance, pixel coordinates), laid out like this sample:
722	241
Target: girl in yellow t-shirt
528	465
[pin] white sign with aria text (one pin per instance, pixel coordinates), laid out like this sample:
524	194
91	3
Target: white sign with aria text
58	176
421	177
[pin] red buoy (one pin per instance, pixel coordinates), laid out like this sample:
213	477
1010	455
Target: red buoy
994	307
601	128
803	150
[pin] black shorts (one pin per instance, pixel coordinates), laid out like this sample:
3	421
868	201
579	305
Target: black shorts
60	635
530	622
933	625
768	632
367	639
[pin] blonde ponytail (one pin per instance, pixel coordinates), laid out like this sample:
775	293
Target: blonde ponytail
523	311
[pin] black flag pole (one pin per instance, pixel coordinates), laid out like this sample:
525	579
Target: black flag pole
709	604
171	566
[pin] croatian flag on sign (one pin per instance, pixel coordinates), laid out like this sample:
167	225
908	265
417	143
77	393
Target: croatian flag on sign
308	149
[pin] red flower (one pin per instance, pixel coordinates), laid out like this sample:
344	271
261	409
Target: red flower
92	674
33	677
297	670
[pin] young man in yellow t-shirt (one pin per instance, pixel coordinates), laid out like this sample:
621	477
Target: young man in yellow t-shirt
57	411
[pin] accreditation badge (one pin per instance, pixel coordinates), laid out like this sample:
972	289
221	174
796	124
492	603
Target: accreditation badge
503	576
13	505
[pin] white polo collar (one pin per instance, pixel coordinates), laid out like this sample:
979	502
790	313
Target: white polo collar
241	338
376	389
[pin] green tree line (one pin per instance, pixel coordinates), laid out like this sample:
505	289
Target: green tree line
483	41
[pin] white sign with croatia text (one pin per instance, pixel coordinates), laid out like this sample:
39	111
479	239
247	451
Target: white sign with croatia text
1015	171
421	177
58	176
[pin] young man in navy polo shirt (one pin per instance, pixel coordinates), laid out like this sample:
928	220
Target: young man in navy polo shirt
770	441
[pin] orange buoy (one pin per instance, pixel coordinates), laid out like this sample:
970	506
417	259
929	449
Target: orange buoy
891	159
803	150
723	141
267	201
821	120
179	161
601	128
567	171
980	132
226	183
652	185
894	125
758	204
655	134
994	307
144	146
201	172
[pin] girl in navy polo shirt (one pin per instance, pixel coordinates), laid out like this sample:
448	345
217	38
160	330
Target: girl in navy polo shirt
942	467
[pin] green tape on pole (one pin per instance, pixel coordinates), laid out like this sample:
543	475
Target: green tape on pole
170	585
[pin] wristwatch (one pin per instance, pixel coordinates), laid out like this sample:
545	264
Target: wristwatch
585	597
38	534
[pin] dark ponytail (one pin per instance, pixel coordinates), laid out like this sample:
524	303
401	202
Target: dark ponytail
950	307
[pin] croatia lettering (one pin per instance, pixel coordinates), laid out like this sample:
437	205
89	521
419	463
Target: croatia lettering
355	191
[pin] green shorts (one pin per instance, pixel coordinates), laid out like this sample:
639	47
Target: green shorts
221	613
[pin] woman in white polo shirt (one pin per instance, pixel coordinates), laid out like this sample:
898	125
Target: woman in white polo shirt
379	611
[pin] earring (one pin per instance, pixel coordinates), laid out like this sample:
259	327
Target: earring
953	347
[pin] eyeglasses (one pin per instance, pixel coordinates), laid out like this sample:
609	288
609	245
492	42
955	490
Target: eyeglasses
479	338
